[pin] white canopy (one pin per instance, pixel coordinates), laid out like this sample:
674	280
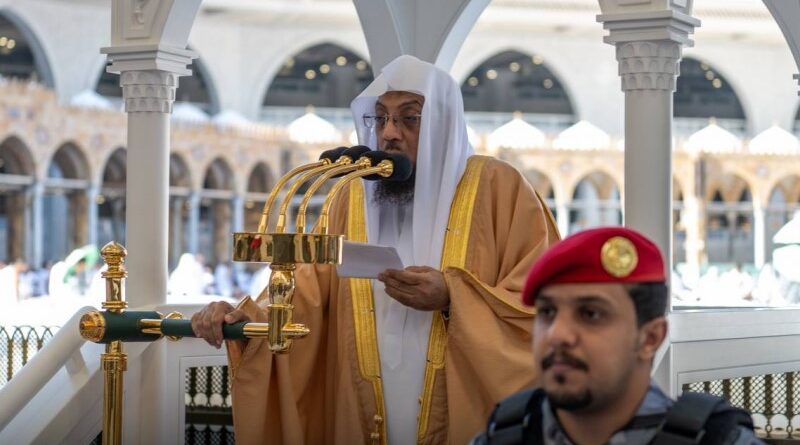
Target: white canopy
775	141
312	129
582	136
516	134
713	139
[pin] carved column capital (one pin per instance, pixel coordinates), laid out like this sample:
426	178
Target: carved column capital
148	90
149	75
650	65
649	45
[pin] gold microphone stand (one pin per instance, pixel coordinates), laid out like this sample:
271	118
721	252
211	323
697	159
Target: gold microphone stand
283	251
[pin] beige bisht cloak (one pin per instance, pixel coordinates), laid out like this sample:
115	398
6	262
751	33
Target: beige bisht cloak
327	389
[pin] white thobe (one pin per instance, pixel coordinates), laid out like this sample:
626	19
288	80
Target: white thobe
402	335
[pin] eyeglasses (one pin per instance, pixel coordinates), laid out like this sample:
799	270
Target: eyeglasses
410	122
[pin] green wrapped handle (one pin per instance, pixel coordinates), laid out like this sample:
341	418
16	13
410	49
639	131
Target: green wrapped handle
183	328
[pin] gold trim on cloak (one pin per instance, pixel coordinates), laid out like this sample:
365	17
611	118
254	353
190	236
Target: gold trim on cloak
454	254
369	363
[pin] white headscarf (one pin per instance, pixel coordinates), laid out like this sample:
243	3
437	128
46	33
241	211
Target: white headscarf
442	154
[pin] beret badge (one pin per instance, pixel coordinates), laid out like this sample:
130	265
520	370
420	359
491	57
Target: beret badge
618	256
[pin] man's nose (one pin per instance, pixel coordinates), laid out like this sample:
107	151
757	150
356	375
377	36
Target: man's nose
562	332
392	131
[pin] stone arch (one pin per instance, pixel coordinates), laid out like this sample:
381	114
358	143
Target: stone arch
729	220
111	212
179	173
17	168
16	157
69	162
218	175
30	61
260	179
595	202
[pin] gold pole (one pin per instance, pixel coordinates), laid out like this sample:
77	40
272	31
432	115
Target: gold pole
114	361
114	364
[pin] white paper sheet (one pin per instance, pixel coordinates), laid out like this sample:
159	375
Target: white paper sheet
361	260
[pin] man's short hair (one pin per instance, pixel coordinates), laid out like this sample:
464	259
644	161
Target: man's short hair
649	300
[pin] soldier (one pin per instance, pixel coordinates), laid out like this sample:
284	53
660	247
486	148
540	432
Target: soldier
601	299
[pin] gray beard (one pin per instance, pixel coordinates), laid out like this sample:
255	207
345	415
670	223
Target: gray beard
392	192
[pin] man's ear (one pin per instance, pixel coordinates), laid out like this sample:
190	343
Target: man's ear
651	335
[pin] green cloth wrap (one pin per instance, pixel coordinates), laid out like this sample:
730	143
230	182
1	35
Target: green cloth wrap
183	328
125	326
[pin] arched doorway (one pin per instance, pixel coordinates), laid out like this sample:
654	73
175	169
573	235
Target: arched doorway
180	185
595	202
678	225
16	178
784	202
510	82
259	184
729	222
216	213
111	200
544	187
65	203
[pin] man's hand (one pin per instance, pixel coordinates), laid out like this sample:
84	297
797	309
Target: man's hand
419	287
207	324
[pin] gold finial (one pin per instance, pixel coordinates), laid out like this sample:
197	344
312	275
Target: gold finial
93	326
113	253
618	256
517	114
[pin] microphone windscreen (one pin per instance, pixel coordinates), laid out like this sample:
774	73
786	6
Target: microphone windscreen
401	170
333	154
356	152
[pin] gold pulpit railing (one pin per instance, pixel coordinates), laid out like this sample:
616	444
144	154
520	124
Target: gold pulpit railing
282	250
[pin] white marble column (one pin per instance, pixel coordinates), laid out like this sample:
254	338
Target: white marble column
91	208
194	222
37	233
648	39
759	235
562	219
149	79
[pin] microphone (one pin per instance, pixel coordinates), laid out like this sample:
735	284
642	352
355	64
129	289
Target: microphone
333	154
401	170
354	153
332	159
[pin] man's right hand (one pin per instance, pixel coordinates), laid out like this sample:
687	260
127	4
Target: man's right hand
207	324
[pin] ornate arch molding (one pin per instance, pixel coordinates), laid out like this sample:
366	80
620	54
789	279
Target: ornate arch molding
219	165
21	158
75	162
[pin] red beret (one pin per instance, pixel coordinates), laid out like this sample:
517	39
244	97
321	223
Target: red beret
602	255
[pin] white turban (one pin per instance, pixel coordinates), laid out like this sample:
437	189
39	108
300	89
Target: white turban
441	156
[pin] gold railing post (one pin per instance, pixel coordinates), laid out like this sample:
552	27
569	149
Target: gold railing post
114	361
